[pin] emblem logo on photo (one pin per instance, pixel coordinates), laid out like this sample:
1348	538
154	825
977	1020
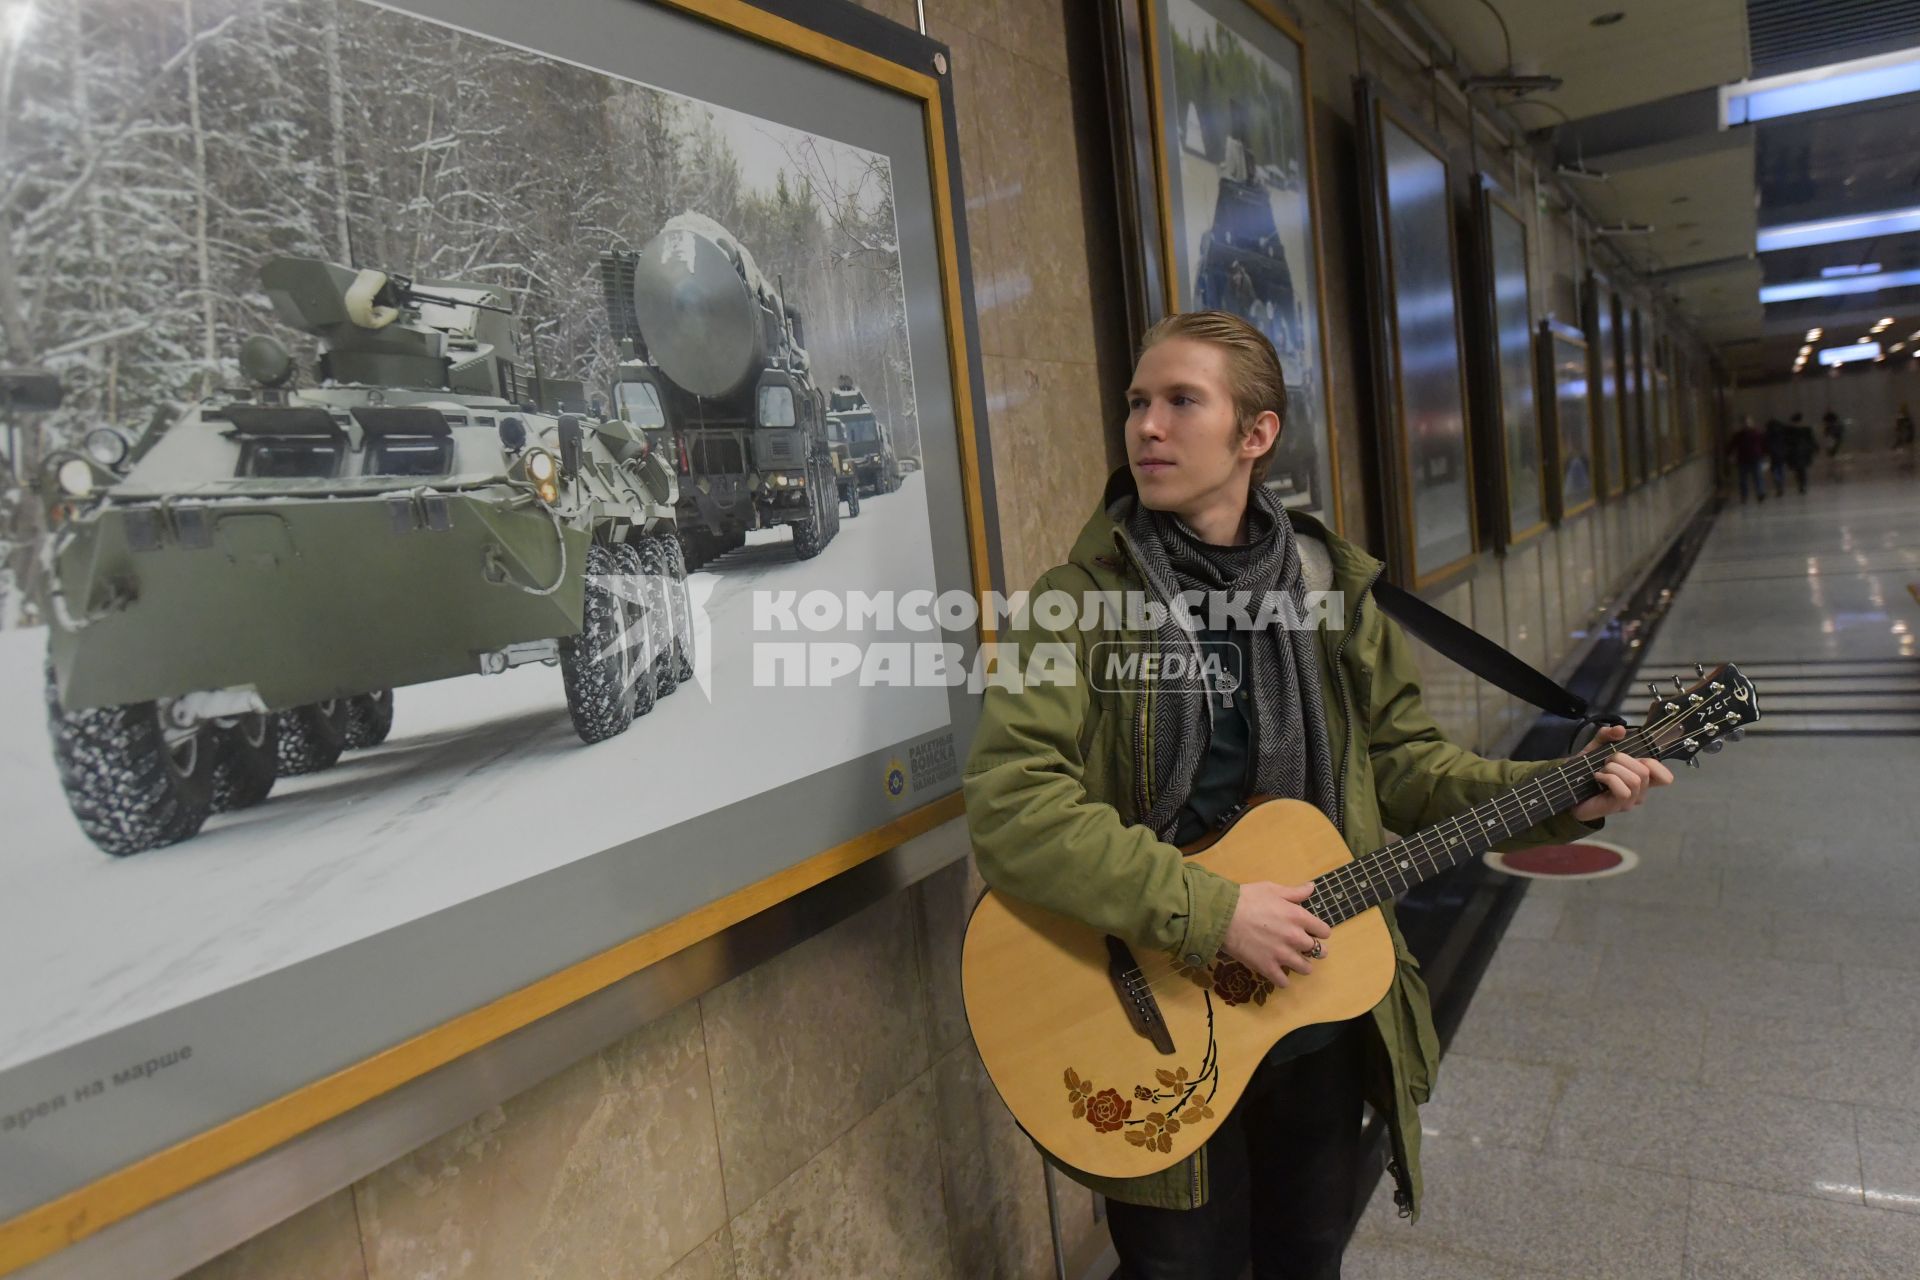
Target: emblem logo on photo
896	778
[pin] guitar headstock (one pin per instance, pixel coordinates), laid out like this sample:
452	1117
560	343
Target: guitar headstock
1703	716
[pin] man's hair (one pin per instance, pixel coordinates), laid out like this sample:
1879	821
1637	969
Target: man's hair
1254	377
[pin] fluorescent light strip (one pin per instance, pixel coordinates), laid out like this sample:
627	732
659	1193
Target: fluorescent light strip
1816	89
1798	235
1795	290
1861	269
1845	355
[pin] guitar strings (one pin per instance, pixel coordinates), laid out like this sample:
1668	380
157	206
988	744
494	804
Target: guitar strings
1353	881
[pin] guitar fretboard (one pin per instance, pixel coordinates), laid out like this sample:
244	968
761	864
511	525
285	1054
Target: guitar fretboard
1386	873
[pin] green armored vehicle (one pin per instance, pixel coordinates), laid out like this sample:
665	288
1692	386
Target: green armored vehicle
236	599
716	358
876	469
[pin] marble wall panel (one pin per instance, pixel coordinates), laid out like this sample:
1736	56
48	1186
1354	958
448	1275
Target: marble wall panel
1049	459
1497	708
805	1045
609	1168
1553	596
996	1196
1448	691
869	1204
319	1243
942	903
1034	213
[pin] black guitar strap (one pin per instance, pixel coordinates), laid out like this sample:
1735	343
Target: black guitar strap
1466	647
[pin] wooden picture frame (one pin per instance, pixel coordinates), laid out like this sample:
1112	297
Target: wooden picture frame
142	1111
1214	219
1568	406
1422	406
1512	472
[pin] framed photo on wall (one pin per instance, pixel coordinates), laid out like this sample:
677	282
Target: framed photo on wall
435	671
1221	201
1603	348
1566	391
1419	372
1512	466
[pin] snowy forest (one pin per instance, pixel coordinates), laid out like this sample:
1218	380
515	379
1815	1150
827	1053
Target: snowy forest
154	153
1234	92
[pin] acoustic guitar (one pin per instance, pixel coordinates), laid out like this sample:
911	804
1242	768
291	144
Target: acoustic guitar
1123	1064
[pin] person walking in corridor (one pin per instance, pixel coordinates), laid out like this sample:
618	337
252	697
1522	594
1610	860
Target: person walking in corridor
1748	448
1777	432
1802	449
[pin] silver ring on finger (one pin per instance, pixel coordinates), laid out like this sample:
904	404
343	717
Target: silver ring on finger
1318	952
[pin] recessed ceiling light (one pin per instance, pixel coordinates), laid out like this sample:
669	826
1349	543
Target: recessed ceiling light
1606	19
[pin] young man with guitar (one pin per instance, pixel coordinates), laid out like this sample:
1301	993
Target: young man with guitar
1079	794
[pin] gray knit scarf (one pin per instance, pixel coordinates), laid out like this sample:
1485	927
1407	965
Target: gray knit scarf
1291	757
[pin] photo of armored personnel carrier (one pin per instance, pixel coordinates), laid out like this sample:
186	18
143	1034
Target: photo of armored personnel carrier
867	436
714	356
1242	268
237	597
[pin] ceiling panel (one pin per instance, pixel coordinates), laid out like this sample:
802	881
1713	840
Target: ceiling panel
1701	208
1655	51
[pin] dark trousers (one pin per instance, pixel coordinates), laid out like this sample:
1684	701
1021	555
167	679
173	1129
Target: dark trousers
1282	1176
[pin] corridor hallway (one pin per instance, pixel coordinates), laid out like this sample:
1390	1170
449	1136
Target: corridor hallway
1709	1067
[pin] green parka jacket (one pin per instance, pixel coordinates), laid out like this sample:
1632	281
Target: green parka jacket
1052	780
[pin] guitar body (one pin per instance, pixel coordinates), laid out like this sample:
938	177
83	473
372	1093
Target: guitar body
1054	1033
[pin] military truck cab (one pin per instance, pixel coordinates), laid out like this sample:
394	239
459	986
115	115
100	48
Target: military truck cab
868	440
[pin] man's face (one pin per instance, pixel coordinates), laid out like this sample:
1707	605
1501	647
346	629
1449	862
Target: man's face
1182	442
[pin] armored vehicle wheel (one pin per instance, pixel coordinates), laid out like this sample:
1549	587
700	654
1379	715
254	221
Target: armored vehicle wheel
596	665
683	638
245	762
310	738
643	633
665	604
808	536
369	719
134	780
829	500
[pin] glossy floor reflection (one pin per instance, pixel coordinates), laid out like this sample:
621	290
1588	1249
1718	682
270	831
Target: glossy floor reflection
1709	1068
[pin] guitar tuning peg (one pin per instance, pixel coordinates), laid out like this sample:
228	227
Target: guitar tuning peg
1653	687
1700	669
1715	747
1736	735
1677	683
1693	762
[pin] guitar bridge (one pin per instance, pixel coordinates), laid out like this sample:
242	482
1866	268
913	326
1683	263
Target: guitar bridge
1143	1011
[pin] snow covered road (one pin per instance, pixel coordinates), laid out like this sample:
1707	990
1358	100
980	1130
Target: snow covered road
482	783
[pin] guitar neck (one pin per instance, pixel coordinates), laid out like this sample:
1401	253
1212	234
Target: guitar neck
1386	873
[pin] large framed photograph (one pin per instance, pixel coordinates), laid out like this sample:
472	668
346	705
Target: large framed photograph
1603	349
1512	468
1221	203
1420	386
473	552
1566	390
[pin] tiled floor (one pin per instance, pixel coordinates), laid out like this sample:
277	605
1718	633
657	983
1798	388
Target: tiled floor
1709	1067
